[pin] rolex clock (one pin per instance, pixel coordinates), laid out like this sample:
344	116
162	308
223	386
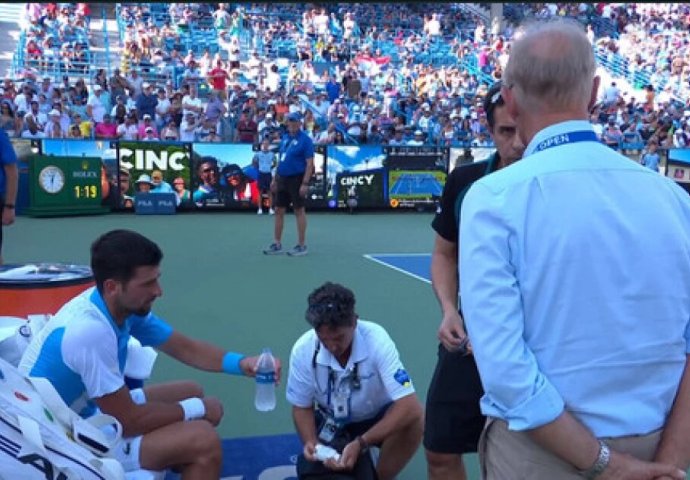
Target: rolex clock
65	186
51	179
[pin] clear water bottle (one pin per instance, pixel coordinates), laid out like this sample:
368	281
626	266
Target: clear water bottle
265	398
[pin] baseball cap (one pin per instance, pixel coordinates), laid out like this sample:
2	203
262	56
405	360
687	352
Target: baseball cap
54	112
147	116
269	115
294	117
97	88
418	132
144	178
145	85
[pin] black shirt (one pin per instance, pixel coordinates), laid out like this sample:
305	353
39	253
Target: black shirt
459	181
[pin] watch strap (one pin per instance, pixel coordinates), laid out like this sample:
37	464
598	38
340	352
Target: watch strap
9	206
600	464
363	445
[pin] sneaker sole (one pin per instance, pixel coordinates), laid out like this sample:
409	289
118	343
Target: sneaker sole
296	254
281	252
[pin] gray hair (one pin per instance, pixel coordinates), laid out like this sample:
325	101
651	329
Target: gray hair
551	65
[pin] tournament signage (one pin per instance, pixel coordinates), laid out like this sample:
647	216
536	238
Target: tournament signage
65	186
163	166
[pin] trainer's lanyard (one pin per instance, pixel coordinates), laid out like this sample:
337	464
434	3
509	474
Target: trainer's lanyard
287	143
566	138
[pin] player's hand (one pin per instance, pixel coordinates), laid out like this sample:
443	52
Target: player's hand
309	451
451	332
249	367
303	190
627	467
214	410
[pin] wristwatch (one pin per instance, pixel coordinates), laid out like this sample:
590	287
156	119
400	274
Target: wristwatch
9	206
600	464
363	445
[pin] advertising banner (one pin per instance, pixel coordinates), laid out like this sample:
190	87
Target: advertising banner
355	171
154	167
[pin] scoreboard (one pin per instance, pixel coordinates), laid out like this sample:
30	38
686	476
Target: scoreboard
65	186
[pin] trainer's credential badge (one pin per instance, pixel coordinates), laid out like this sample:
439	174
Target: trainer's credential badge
402	378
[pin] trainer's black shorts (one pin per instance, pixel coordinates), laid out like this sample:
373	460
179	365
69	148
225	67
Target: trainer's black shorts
453	420
288	191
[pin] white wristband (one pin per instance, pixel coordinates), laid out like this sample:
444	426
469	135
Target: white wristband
193	408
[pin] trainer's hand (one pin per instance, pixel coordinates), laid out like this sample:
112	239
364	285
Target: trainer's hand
303	190
214	410
249	367
309	452
451	332
627	467
348	458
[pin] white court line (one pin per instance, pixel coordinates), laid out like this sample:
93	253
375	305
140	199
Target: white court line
397	269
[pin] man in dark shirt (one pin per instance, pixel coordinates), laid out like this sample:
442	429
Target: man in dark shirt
453	418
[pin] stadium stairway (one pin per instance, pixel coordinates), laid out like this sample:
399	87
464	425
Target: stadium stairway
106	39
10	16
11	12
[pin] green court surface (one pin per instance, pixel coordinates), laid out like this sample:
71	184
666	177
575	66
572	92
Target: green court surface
218	286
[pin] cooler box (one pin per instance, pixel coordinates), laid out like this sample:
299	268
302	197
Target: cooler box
37	288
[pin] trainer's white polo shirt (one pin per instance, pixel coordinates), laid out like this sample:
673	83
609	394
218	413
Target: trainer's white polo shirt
382	376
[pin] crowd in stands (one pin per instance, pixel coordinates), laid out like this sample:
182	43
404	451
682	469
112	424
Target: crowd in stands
398	74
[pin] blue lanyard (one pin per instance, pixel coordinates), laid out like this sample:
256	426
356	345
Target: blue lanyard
566	138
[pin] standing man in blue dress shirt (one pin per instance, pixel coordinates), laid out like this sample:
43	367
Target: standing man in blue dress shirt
581	335
290	184
9	183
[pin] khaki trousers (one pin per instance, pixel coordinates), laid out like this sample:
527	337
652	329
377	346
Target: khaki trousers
508	455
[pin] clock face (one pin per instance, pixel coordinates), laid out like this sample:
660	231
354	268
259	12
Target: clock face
51	179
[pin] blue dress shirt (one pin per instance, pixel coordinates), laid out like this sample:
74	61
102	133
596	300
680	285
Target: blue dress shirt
575	283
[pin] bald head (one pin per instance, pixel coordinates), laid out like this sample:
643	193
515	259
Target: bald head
551	67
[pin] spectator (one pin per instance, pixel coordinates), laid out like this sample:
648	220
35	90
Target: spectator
162	109
107	129
147	123
188	128
650	157
147	101
170	131
247	129
128	130
53	128
95	108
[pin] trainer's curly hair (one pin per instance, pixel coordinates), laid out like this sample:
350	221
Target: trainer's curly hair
331	304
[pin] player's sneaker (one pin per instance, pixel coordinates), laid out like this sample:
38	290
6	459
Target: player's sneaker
260	211
298	251
274	249
271	211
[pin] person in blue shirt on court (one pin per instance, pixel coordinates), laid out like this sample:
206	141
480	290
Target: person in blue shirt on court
580	332
82	351
9	183
290	184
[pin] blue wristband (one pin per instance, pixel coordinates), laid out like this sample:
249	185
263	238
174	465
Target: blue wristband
231	363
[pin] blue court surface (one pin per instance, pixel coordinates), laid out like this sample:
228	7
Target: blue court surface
416	265
417	184
270	457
